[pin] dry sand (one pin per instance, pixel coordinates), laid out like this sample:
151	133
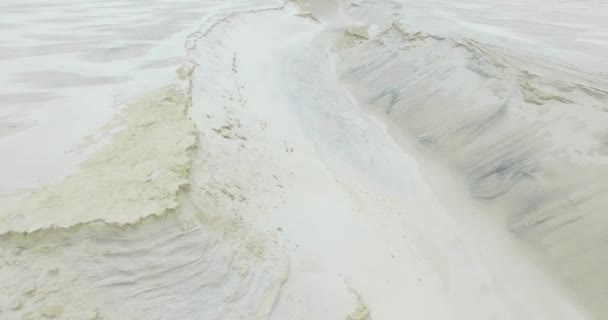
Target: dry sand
319	160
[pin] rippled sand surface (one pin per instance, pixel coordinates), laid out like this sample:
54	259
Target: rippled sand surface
303	160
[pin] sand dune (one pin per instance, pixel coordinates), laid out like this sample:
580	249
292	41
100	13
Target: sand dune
310	160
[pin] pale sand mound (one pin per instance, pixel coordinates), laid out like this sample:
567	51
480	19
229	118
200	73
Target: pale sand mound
260	187
526	133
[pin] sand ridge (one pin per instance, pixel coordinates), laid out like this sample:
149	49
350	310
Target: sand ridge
281	177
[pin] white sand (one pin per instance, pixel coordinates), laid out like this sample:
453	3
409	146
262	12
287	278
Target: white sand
318	160
68	67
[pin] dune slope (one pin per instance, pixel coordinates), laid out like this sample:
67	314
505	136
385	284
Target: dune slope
325	160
